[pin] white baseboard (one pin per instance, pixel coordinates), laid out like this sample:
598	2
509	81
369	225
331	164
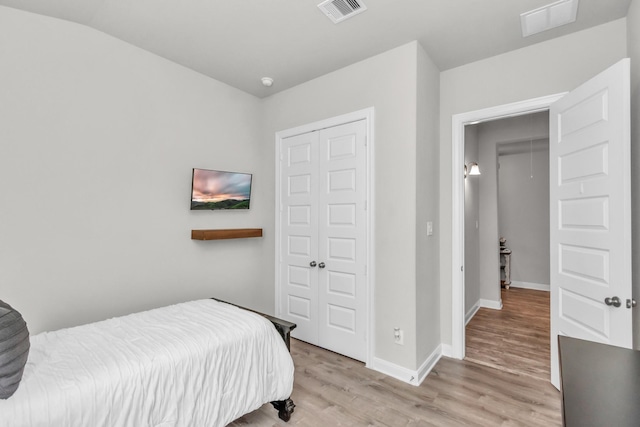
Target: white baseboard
487	303
407	375
428	364
530	285
472	312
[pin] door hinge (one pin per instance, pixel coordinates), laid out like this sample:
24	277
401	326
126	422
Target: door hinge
461	268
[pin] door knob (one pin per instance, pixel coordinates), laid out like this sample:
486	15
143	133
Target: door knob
312	264
614	301
321	265
631	303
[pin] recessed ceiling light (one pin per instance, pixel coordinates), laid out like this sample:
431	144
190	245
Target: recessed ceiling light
547	17
266	81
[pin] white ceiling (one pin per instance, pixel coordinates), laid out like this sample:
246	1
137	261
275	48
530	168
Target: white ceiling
292	41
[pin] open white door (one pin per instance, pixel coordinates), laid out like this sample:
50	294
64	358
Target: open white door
589	152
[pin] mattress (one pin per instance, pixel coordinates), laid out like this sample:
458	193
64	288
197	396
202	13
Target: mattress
201	363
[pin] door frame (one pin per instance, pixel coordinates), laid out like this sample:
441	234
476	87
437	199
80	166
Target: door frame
366	114
459	121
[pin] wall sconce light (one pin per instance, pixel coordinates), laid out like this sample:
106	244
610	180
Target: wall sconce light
472	170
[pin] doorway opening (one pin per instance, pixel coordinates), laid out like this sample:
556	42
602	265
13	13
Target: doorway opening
507	244
458	227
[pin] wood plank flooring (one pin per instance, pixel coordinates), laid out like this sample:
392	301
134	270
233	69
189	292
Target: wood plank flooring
514	339
333	390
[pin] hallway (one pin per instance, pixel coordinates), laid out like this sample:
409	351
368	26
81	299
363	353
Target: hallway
514	339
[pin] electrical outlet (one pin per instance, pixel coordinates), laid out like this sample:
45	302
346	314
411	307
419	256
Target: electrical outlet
398	336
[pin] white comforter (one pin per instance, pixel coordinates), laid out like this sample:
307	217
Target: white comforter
201	363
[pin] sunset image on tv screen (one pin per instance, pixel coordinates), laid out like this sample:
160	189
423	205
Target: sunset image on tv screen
220	190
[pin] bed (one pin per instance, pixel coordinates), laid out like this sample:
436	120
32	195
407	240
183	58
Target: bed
200	363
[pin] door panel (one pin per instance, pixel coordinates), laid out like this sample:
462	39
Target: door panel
590	212
342	239
299	228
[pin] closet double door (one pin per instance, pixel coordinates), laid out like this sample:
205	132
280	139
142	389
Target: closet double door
323	236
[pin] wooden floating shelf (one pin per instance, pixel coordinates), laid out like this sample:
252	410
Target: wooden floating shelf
232	233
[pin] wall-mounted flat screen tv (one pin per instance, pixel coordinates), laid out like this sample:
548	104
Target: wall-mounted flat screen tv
211	190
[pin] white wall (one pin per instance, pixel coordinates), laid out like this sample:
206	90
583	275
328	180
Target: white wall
633	40
98	140
389	83
471	222
546	68
427	187
523	210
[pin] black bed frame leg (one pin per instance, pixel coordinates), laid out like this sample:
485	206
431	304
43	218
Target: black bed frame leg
285	408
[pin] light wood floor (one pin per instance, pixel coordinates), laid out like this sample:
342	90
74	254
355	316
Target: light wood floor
333	390
514	339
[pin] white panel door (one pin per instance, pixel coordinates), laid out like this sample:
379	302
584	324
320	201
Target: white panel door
591	213
342	239
299	228
323	237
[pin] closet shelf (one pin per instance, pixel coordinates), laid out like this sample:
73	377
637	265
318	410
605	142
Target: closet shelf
231	233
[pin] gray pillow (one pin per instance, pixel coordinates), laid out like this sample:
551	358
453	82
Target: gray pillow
14	349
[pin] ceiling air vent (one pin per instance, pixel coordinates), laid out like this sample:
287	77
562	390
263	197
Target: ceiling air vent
339	10
553	15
